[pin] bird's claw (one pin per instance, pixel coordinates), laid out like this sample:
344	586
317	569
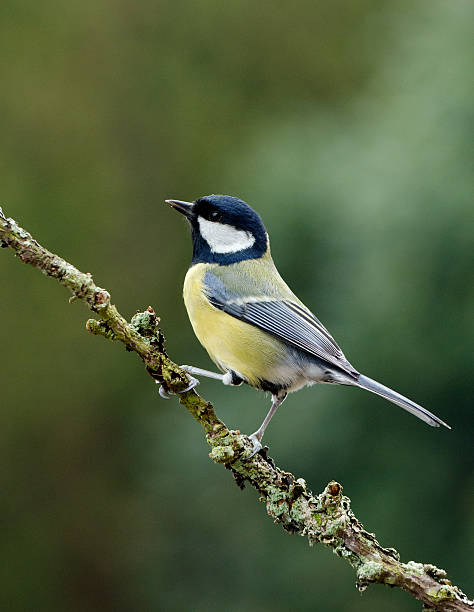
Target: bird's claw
162	391
165	394
257	445
193	382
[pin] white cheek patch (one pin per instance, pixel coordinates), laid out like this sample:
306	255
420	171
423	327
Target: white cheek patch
223	238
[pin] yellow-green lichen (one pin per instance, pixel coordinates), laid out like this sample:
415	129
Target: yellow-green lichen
144	322
222	454
335	526
369	571
441	593
417	568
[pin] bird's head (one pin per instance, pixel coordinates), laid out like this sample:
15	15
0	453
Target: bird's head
225	229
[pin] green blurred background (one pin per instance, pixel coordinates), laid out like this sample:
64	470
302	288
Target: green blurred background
347	126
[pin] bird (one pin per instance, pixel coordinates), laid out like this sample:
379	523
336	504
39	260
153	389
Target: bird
252	325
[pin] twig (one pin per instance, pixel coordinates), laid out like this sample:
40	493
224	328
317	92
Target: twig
325	518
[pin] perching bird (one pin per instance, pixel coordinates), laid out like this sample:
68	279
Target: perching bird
250	322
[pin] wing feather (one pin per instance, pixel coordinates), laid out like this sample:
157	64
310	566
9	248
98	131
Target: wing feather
285	319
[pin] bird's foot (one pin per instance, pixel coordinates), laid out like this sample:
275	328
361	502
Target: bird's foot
193	382
162	391
257	445
165	394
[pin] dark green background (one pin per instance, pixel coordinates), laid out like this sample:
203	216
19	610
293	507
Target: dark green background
347	126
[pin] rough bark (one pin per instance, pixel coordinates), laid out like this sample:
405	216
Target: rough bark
325	518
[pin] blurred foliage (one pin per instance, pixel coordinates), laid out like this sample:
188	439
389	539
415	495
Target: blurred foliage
347	125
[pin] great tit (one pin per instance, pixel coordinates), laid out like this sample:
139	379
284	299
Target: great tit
252	325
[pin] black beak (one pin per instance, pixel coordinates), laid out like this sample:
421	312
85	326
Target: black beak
185	208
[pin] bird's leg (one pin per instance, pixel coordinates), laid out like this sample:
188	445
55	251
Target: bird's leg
229	378
201	372
256	437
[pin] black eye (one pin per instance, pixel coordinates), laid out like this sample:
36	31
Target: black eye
215	215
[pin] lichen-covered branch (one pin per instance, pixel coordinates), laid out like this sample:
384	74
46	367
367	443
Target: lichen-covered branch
325	518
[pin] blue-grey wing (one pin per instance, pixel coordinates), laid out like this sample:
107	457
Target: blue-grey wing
285	319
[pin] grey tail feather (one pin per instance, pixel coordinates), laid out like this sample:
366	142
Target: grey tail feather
364	382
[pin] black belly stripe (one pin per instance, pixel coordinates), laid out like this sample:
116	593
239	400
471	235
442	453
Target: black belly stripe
273	388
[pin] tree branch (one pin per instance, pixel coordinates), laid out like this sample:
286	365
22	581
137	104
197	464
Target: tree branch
325	518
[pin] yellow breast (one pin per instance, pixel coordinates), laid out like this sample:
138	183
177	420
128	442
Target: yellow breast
231	343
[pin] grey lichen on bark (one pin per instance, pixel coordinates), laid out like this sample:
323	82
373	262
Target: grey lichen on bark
325	518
